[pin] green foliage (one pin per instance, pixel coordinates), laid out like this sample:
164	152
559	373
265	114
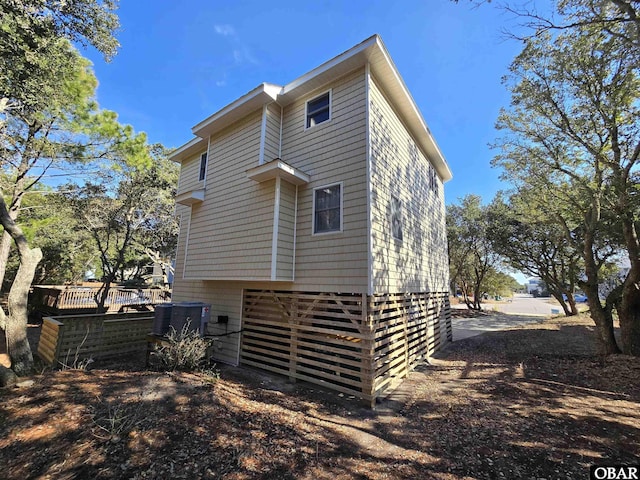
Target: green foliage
471	255
128	213
499	283
50	224
68	133
33	37
572	142
531	241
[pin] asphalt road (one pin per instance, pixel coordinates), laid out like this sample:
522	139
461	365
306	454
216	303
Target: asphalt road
522	310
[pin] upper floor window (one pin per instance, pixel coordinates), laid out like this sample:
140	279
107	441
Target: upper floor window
396	218
319	109
327	209
433	179
203	166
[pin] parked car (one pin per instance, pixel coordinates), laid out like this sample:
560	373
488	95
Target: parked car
578	297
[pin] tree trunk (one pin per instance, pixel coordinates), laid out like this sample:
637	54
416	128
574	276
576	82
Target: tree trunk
629	315
629	307
569	310
5	248
16	322
605	339
102	294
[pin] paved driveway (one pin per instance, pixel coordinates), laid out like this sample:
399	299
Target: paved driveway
523	310
470	327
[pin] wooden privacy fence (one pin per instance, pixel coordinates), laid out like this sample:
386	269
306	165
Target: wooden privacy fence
54	299
356	344
72	338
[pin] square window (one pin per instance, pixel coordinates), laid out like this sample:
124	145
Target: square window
396	218
327	209
203	166
319	110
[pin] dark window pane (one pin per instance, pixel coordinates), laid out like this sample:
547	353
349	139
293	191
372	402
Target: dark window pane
318	110
327	209
203	166
318	103
319	117
327	220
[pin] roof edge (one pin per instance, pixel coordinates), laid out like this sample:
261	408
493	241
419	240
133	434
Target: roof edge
328	65
187	150
269	90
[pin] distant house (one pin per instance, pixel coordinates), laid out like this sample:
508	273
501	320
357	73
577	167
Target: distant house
533	284
536	287
312	219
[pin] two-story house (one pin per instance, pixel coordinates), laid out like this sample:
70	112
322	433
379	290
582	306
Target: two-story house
312	219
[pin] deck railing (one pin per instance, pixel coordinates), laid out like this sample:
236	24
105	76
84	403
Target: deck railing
60	299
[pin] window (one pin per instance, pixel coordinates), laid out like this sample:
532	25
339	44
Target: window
319	109
203	166
433	179
327	209
396	218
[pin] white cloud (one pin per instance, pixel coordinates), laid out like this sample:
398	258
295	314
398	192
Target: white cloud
244	55
224	30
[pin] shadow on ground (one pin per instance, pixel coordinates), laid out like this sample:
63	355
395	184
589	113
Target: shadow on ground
528	403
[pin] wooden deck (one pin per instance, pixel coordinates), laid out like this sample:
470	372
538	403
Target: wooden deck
57	300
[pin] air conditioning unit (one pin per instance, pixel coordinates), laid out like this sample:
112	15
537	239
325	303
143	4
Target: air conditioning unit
194	314
162	318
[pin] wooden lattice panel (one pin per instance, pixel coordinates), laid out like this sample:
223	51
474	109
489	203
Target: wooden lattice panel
65	339
352	343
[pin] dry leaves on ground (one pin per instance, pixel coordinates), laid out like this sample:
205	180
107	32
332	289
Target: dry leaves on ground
532	402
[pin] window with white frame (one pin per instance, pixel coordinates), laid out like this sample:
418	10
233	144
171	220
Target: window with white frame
319	110
327	209
203	166
396	218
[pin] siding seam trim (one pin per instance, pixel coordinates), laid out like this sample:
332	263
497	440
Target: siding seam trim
241	326
263	134
280	140
367	136
186	244
274	241
295	235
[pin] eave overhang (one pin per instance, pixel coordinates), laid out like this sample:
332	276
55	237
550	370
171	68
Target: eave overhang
191	197
188	150
277	168
250	102
373	52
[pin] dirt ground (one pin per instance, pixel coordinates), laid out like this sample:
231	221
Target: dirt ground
528	403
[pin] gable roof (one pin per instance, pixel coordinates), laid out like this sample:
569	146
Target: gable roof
371	51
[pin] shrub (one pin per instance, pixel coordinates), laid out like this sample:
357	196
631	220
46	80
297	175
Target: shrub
185	350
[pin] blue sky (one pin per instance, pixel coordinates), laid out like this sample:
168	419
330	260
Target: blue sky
179	62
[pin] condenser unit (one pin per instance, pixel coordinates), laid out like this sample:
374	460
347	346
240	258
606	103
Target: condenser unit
194	314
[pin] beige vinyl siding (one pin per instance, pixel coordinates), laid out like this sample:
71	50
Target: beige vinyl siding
331	152
272	133
225	299
231	231
183	213
286	229
419	262
189	174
